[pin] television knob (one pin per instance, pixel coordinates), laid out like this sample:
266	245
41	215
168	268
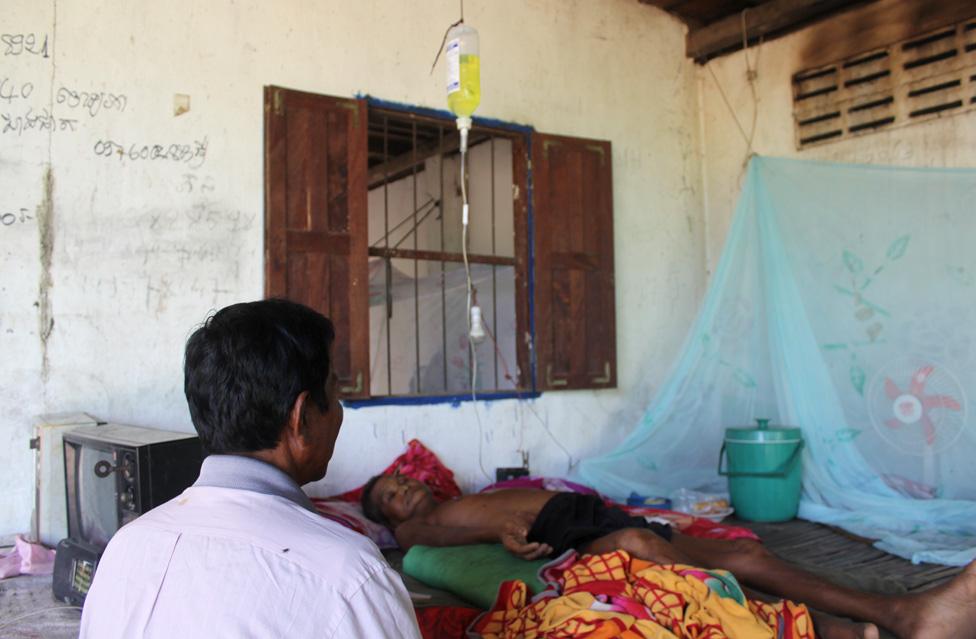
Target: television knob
103	469
126	500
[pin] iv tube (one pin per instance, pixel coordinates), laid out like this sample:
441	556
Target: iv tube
463	97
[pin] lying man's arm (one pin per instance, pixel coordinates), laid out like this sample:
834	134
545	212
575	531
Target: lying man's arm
417	532
511	533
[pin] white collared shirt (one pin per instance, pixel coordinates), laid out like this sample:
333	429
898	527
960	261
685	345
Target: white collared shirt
230	562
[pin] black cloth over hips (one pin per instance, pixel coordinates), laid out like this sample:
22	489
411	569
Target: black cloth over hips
572	520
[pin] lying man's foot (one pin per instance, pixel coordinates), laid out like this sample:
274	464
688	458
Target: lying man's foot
944	612
830	627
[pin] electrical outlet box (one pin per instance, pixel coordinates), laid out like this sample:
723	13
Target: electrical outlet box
504	474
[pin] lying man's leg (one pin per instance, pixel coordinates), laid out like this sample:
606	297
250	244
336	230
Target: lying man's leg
943	612
640	543
646	545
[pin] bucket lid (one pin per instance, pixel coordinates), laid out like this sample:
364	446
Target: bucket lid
764	433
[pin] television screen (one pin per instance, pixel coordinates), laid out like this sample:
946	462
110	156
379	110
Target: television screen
92	510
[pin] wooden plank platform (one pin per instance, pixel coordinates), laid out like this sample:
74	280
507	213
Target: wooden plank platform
843	557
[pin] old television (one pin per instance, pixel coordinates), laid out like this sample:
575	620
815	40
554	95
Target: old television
113	474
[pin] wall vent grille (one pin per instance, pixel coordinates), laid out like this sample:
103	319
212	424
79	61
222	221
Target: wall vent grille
926	77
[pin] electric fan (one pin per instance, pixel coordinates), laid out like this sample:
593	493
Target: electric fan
919	408
917	405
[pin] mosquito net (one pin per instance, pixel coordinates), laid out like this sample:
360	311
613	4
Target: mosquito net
844	303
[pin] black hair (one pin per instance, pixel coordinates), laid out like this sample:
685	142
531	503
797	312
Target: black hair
245	367
370	508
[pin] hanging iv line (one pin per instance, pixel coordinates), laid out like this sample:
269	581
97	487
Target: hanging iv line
461	53
463	96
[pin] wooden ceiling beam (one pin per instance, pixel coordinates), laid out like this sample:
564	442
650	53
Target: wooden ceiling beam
769	18
667	5
676	8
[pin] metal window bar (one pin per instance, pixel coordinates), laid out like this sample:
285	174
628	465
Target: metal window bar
440	165
416	262
388	261
494	269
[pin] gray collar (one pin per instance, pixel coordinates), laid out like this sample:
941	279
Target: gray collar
247	473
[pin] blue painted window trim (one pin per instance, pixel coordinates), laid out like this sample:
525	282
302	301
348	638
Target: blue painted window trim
455	400
443	114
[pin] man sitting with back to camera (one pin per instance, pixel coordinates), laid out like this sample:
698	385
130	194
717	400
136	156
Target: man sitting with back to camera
533	523
242	552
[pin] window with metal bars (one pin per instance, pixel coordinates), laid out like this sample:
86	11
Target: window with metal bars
417	281
363	223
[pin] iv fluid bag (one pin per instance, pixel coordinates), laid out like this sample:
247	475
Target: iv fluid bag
463	70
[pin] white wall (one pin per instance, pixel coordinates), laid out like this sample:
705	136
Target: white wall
127	255
949	141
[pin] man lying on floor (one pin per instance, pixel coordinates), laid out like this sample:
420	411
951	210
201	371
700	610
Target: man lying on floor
534	523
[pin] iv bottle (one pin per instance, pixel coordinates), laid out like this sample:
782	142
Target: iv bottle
463	71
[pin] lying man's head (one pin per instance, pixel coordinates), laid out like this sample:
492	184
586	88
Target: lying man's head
393	499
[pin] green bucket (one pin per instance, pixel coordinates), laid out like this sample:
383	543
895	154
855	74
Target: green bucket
764	471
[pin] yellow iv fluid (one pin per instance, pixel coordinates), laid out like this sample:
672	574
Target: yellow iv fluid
463	71
463	101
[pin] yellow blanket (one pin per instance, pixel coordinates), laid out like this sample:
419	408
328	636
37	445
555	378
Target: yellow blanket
613	595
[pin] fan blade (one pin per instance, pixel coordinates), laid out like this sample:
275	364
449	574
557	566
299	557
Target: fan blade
891	390
940	401
917	386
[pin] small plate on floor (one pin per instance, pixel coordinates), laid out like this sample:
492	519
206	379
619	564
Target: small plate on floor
715	515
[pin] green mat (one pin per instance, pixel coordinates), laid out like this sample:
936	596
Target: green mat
473	573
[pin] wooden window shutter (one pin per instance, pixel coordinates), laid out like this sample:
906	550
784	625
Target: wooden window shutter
315	218
523	325
574	282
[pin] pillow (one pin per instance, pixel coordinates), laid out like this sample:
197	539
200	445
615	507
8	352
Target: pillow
421	464
418	462
473	572
351	516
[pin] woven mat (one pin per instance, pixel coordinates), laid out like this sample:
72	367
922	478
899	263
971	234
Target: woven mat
843	557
